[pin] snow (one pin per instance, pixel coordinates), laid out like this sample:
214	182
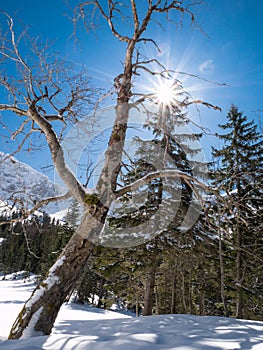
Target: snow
82	327
38	293
59	215
29	330
20	180
6	209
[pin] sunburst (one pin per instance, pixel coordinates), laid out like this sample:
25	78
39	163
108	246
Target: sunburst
166	92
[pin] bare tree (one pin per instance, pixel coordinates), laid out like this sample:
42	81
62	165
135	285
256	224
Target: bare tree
40	101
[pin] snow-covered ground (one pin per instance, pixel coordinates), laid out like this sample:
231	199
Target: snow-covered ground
82	327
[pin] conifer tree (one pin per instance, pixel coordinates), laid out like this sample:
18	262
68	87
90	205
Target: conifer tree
170	146
73	214
239	179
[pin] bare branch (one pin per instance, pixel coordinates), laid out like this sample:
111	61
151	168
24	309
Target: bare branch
200	78
21	128
112	7
20	146
167	7
57	155
135	16
166	173
150	40
141	64
18	56
45	86
18	111
207	104
28	243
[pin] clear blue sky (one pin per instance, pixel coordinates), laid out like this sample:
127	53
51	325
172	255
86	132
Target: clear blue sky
230	51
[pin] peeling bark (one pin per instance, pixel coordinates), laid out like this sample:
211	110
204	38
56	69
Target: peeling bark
50	296
60	280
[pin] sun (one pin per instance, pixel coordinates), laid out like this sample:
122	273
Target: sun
166	92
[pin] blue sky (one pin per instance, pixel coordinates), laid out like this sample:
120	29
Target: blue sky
229	51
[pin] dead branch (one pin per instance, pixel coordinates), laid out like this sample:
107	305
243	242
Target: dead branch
207	104
196	76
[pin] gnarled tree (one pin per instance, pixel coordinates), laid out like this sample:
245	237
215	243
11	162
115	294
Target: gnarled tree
45	95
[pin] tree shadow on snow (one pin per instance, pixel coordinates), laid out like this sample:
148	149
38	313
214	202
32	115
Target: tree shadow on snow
165	332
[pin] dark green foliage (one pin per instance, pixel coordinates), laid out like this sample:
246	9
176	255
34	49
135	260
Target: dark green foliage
32	245
91	287
238	177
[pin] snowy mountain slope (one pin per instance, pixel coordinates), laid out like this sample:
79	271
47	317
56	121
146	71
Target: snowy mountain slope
22	181
5	209
82	327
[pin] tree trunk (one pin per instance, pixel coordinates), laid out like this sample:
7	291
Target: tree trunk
157	300
183	293
239	297
190	296
40	311
174	294
202	302
149	290
222	275
101	292
137	308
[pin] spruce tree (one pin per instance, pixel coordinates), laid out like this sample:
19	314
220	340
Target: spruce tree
239	179
73	214
169	145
